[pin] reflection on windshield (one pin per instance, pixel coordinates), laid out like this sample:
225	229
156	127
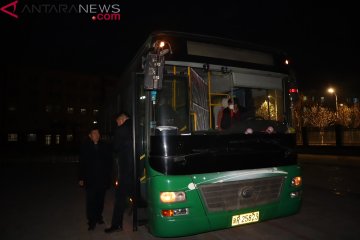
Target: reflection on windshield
170	106
243	99
248	104
219	109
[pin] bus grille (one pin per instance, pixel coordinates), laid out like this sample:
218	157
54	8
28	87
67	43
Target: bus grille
241	194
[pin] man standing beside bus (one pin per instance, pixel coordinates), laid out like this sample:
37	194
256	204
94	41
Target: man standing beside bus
124	162
95	175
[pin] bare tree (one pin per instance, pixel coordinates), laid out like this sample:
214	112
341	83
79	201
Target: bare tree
344	116
356	116
267	111
298	108
319	117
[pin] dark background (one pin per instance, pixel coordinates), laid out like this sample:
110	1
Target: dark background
320	38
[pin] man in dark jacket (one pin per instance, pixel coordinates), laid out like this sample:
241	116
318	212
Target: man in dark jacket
230	115
95	175
123	152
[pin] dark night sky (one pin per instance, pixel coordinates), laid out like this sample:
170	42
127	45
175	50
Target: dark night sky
321	39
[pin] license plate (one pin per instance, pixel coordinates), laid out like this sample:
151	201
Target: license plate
245	218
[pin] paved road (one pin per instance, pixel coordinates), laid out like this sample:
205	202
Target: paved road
339	174
43	202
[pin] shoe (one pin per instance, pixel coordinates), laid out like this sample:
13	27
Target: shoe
91	227
100	221
113	229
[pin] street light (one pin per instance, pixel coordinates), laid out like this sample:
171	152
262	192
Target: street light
332	91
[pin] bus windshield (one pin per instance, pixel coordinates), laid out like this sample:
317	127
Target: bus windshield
218	102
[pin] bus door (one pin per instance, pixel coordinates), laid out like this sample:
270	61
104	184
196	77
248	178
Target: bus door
141	107
208	91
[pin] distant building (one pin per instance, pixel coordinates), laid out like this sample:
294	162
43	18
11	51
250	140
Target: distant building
48	110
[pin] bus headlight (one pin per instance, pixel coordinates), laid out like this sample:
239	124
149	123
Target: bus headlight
296	181
170	197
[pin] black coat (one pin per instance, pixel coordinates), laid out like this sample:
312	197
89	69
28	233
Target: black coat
123	151
228	120
95	164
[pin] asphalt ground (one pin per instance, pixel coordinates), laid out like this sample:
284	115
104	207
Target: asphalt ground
43	201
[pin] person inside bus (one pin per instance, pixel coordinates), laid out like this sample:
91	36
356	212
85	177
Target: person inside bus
95	175
230	114
123	152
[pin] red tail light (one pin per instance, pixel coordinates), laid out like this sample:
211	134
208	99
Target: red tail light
293	90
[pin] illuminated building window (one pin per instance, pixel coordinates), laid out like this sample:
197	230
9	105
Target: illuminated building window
57	139
48	139
83	110
95	111
12	137
70	110
69	137
31	137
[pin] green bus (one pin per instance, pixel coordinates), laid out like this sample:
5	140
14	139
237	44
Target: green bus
193	174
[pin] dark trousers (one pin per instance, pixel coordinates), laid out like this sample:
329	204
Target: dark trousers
121	200
94	204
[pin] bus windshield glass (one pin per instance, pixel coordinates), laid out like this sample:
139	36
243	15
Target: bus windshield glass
217	102
170	110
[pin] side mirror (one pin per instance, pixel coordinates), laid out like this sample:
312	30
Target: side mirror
153	71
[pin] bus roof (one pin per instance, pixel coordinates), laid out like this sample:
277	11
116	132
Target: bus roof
219	40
